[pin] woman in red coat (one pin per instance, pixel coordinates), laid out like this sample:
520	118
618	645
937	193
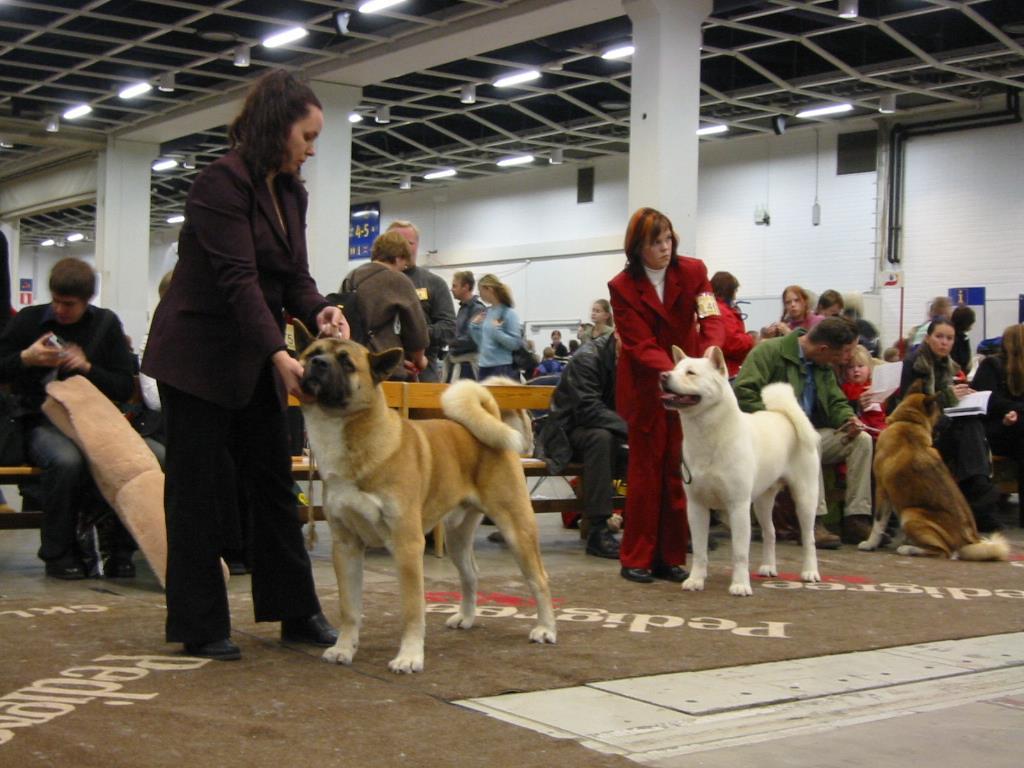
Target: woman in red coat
737	341
659	299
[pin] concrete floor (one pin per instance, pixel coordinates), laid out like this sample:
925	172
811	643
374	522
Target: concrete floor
937	704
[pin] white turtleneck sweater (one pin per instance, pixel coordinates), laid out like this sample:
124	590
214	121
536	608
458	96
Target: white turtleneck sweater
657	278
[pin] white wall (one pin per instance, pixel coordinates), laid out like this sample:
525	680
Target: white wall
964	221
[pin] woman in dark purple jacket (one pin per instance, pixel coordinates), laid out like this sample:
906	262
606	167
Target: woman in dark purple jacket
217	349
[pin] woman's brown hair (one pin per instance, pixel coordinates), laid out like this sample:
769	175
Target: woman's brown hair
260	132
643	229
1013	357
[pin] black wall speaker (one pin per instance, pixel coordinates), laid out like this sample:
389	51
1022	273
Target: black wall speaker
779	124
585	184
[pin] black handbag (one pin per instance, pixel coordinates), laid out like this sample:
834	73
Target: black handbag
12	431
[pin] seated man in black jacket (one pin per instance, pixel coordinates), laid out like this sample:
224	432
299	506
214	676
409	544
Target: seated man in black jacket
582	424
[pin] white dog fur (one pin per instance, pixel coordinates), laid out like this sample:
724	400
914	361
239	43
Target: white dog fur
735	458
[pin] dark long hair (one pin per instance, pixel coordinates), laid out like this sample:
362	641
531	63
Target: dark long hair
643	229
260	131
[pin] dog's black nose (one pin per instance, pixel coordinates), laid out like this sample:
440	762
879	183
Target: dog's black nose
318	363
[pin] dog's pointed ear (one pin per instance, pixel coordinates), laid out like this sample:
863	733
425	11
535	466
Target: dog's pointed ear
916	388
383	364
303	338
714	354
677	354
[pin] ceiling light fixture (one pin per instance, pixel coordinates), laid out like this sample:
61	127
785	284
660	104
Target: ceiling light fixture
372	6
176	219
619	52
516	78
831	109
51	124
189	162
243	55
848	9
405	183
164	164
166	82
6	145
341	19
887	103
710	130
283	38
74	237
48	242
136	89
444	173
468	94
78	111
382	116
557	156
506	162
355	117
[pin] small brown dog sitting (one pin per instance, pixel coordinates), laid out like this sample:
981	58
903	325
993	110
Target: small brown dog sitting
912	477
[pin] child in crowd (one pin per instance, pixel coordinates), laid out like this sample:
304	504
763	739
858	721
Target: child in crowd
549	364
855	383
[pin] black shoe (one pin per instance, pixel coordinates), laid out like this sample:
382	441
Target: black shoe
310	629
218	650
675	573
639	575
66	568
119	568
602	543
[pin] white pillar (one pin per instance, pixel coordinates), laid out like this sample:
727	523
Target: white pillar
12	231
665	110
122	232
327	178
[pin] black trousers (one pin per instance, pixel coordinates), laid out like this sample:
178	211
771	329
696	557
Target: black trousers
256	437
604	458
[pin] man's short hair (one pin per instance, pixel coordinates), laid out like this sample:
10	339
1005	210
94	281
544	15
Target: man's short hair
834	332
465	277
390	247
403	224
73	277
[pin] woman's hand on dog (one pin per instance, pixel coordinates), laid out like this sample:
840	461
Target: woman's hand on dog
331	323
291	372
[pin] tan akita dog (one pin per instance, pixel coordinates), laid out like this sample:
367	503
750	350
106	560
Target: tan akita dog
387	480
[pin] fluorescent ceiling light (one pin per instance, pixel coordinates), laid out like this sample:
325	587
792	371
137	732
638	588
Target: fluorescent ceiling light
505	162
165	164
176	219
355	117
366	213
442	174
285	37
517	78
135	90
75	112
831	109
619	52
382	115
48	242
6	145
372	6
708	130
51	124
74	237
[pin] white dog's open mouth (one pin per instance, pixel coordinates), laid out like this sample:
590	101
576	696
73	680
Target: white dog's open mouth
672	400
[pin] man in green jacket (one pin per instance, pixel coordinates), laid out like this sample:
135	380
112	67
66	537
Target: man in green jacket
805	360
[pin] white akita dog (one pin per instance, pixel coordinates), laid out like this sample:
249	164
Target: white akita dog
732	458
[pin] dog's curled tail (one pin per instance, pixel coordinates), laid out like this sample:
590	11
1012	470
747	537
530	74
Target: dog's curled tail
779	397
993	547
474	407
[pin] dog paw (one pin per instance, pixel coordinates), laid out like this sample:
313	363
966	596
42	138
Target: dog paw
907	550
458	621
542	635
693	584
768	570
809	576
337	654
406	664
740	590
866	546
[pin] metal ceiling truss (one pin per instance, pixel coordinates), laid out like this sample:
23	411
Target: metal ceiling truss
760	59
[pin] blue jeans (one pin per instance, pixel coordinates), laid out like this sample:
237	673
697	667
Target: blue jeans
66	486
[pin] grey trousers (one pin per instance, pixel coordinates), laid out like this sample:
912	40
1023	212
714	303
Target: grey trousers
858	454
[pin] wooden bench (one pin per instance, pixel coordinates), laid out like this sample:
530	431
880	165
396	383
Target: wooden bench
18	520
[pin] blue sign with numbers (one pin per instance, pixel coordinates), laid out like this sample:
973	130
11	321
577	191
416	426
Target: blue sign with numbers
363	228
